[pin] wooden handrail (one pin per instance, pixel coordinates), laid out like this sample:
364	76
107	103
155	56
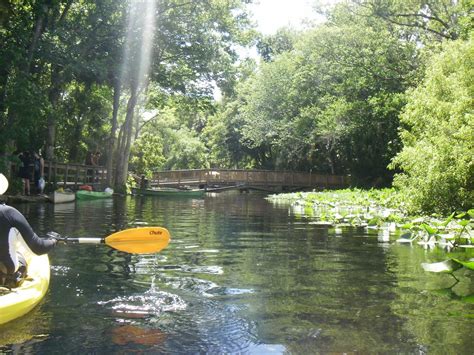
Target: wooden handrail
70	174
73	175
248	177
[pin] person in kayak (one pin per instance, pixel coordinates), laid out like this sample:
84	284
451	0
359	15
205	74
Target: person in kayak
13	268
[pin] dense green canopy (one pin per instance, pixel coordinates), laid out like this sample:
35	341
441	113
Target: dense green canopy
136	80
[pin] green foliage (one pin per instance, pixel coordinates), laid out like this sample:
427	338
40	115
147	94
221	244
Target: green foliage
271	46
166	143
327	99
186	152
438	135
85	111
147	153
330	102
224	139
420	20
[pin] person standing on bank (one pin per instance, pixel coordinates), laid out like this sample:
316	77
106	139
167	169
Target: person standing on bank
38	163
25	172
13	268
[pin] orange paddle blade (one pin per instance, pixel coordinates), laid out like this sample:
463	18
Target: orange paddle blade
143	240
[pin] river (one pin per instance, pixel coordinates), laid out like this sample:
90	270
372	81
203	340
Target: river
241	275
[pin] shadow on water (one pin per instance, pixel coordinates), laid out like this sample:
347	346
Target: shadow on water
239	276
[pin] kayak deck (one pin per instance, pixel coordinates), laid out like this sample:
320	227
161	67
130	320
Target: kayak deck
21	300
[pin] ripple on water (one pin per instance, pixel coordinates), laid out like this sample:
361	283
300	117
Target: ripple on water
204	251
151	302
195	269
195	285
229	291
60	270
222	326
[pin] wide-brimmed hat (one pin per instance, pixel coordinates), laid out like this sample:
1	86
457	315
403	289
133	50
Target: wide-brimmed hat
3	184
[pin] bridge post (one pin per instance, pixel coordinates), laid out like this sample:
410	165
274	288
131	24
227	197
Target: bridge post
55	174
49	171
76	177
66	175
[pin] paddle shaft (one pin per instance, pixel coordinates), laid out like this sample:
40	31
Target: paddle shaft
84	240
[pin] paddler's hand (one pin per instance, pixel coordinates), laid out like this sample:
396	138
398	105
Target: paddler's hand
56	237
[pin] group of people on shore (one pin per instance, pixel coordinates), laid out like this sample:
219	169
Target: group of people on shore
28	158
36	174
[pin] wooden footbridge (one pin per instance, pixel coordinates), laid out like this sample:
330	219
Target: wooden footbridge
74	175
267	180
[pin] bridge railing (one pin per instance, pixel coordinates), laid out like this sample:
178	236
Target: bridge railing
69	174
74	175
247	177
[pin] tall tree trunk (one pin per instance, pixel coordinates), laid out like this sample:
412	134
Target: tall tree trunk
77	137
39	29
125	144
54	93
111	142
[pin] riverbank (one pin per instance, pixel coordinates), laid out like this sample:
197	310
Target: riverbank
24	199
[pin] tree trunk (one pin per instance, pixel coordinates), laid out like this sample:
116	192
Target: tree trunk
123	150
111	142
54	93
39	29
77	137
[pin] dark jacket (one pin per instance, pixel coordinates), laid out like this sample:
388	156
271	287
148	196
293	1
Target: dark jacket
12	218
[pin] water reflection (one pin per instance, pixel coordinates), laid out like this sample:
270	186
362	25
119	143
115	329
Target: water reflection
242	276
126	334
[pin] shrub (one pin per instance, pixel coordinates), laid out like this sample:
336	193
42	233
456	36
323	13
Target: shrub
437	160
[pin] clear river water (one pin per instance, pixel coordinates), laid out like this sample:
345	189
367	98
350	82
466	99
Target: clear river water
241	275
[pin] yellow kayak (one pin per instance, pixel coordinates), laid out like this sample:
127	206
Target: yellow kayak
21	300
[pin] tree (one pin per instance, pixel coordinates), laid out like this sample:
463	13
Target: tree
192	46
330	104
47	46
86	112
282	41
438	134
419	20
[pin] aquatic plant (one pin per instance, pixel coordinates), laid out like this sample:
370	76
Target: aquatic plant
384	210
381	209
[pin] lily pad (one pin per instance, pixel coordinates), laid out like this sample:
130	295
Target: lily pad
468	299
406	238
467	264
447	266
